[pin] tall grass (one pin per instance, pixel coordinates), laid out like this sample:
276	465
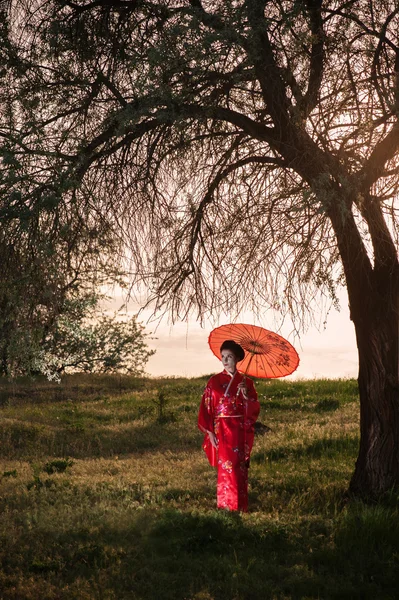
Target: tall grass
104	496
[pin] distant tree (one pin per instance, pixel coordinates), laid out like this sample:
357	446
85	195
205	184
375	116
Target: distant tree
41	274
37	277
85	339
248	151
53	252
82	338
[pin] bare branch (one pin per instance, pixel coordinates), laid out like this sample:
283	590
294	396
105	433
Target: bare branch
384	151
269	75
316	58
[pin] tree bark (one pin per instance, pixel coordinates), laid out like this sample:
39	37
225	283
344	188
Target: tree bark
377	465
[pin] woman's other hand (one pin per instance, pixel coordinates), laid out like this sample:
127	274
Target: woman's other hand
213	439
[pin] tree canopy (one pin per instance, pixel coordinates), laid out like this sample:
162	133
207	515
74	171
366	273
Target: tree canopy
230	126
245	151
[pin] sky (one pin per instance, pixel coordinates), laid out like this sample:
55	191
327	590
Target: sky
182	349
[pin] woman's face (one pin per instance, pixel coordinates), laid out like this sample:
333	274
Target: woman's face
229	361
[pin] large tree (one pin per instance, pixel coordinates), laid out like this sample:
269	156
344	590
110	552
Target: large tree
247	149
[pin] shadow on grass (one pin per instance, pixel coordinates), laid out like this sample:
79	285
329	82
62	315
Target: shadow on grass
322	405
173	555
309	390
327	447
27	441
91	387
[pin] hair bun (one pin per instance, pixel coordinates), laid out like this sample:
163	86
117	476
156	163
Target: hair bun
237	350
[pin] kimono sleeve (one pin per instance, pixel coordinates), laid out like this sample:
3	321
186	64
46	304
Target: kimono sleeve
206	423
252	404
252	408
205	415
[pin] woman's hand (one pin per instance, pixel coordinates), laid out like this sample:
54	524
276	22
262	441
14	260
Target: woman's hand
213	439
242	387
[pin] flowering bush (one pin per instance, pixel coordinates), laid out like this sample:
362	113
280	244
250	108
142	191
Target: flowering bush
82	338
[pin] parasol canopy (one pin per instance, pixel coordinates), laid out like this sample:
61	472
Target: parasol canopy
267	354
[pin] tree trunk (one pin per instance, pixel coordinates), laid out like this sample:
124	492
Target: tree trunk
377	466
373	291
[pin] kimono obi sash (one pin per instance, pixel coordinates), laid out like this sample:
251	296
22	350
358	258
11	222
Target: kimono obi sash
229	416
227	408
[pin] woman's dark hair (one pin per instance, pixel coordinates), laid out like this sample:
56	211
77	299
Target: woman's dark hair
236	349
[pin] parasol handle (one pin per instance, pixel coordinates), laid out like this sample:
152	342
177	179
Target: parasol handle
249	364
246	370
230	382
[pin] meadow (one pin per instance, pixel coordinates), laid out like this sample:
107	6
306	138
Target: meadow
105	493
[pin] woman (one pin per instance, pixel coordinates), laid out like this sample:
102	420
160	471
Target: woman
228	411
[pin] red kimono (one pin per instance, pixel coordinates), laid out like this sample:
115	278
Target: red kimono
231	417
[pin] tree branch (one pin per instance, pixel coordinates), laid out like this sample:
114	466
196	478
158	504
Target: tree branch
316	58
88	154
374	167
79	8
246	124
353	17
260	51
385	252
187	267
213	21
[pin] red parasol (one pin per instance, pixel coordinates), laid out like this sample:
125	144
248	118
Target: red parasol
267	354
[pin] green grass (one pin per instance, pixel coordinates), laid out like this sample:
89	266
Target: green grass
104	497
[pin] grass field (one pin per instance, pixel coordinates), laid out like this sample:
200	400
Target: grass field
106	494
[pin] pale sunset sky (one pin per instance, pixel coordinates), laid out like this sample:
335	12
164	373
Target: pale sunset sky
182	349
